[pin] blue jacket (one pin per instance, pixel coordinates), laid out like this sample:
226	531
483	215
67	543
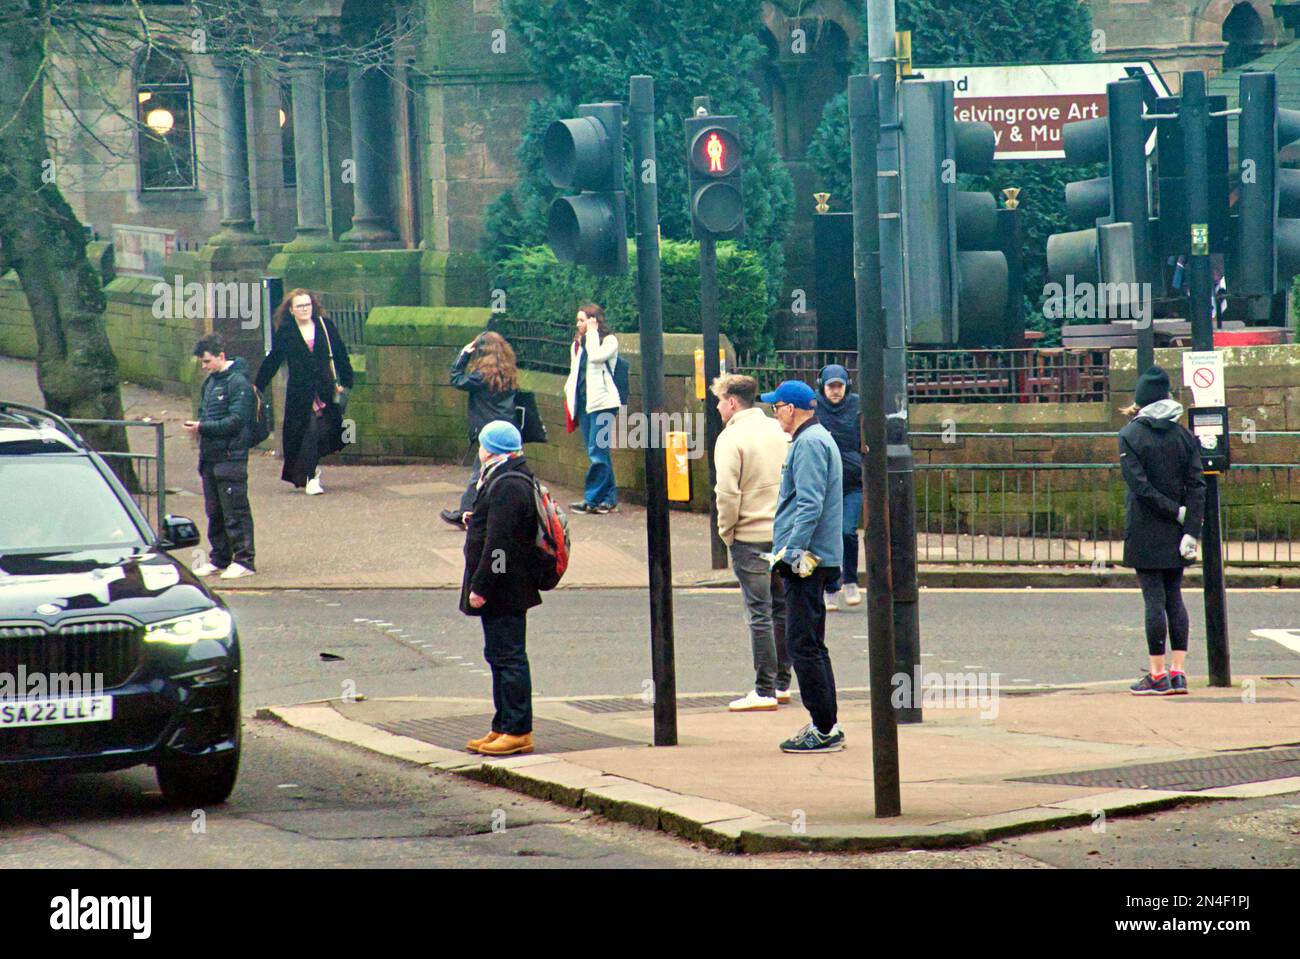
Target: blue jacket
811	502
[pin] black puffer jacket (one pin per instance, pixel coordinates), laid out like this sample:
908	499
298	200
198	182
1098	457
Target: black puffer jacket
842	421
1161	463
485	405
226	410
499	545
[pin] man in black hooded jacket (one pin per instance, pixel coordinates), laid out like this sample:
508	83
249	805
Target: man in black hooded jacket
226	410
838	410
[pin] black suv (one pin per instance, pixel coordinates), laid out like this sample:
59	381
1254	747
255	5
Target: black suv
112	653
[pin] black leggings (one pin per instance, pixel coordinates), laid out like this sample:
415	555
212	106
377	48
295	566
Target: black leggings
1162	591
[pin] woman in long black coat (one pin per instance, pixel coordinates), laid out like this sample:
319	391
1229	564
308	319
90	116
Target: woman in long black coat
313	422
1161	463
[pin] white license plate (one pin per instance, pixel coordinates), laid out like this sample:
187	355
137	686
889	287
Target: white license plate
55	712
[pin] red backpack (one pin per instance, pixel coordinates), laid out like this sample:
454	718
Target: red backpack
551	547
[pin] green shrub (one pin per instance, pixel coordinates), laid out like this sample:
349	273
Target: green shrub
542	295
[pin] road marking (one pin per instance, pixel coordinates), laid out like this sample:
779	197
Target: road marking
1290	638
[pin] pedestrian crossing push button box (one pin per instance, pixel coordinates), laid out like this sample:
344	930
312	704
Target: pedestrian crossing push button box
1210	427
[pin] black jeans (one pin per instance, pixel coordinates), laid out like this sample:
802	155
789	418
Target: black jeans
512	683
1162	593
805	637
230	517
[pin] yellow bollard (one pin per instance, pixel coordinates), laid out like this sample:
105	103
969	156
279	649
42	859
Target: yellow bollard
679	467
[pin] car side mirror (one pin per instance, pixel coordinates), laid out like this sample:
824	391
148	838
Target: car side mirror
178	532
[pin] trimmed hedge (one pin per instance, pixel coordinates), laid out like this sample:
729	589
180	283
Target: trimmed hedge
544	293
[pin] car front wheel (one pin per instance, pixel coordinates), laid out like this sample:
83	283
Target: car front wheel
194	782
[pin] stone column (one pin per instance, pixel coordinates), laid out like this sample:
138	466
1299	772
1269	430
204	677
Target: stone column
306	83
369	188
236	202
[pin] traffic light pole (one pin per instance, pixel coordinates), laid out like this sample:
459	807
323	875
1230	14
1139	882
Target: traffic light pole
711	336
641	101
864	133
881	27
1194	117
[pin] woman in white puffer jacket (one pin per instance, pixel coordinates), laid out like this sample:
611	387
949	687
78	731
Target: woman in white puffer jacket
591	402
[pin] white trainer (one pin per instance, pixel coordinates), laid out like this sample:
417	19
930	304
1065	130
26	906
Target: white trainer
313	485
832	601
852	595
783	697
205	569
751	702
236	571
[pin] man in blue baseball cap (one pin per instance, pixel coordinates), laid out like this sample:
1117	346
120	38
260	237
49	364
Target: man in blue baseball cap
807	548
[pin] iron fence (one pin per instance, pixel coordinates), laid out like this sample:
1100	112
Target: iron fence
349	311
1036	375
144	474
541	345
1073	514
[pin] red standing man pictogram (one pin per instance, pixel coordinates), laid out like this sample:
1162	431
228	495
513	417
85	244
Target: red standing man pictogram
714	149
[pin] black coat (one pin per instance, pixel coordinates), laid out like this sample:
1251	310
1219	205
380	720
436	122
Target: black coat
226	410
499	545
1161	463
309	377
485	405
842	421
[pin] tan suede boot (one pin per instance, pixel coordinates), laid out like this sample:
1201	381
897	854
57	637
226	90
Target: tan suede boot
474	744
508	745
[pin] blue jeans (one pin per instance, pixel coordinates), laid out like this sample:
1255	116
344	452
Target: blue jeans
512	682
598	429
851	518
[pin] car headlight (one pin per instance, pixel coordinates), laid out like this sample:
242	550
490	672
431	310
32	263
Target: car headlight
213	623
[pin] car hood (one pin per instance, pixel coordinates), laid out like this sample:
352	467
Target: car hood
145	585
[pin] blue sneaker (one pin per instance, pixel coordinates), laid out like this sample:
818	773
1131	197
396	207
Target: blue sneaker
1178	684
809	740
1146	686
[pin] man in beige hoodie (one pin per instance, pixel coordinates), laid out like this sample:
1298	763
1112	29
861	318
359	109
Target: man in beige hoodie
749	454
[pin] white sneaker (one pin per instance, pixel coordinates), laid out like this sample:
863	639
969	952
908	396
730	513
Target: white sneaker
314	488
832	601
235	571
205	569
852	595
783	696
751	702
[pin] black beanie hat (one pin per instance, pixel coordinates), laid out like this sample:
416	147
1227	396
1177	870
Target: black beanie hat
1151	386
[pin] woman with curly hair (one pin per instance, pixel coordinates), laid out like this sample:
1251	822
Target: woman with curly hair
487	371
320	374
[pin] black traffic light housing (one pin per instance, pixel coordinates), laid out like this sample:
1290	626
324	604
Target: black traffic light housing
714	164
955	274
586	154
1266	249
1174	232
1118	139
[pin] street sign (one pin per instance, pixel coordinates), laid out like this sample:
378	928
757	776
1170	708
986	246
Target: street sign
1203	372
1028	103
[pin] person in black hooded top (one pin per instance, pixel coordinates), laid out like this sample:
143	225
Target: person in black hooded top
1161	463
838	410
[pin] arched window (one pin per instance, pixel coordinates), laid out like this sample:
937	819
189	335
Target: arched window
165	121
1243	31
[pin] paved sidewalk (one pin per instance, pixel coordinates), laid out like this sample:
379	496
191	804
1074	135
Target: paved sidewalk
726	783
378	526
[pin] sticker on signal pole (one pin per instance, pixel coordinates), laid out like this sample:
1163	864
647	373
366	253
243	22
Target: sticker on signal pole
1028	103
1203	372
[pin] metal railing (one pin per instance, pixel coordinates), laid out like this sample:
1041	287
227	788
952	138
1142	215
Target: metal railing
143	474
349	310
1073	514
541	345
1036	375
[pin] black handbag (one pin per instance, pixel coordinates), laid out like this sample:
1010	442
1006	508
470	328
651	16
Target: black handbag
528	419
340	397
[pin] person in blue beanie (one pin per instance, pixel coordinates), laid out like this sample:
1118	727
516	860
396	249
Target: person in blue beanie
499	586
838	410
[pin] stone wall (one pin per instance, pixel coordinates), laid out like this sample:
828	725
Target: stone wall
404	407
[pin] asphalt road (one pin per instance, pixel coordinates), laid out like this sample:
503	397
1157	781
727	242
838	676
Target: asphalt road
596	642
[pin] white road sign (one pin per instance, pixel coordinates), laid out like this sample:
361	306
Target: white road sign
1203	372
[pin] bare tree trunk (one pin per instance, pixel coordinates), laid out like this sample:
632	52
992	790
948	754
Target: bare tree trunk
45	243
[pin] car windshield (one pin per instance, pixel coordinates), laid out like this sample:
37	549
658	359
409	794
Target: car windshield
59	503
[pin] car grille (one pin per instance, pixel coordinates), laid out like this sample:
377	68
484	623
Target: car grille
110	648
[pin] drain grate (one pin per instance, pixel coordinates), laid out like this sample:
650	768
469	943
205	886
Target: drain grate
551	736
632	704
1187	775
